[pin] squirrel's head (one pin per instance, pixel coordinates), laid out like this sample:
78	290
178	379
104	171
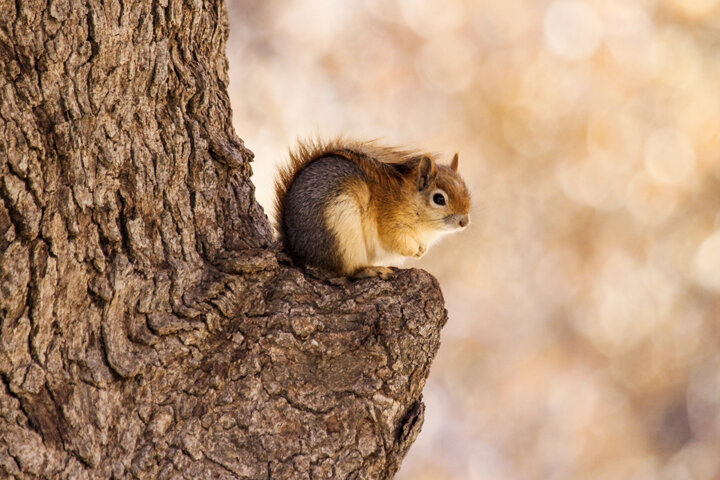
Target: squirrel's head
444	200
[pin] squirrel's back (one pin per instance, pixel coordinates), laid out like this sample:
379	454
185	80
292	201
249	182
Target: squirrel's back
302	220
373	159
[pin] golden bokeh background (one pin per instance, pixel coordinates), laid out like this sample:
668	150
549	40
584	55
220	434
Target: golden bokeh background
583	340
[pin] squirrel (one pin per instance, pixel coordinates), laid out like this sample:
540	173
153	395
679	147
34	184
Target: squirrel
349	206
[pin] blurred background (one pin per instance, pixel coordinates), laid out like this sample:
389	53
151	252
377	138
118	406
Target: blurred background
583	340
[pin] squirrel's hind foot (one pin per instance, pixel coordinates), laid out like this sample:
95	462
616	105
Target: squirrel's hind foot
368	272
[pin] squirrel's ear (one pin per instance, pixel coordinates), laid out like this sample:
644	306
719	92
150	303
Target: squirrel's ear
454	163
426	172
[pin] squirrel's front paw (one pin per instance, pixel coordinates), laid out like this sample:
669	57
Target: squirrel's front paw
416	250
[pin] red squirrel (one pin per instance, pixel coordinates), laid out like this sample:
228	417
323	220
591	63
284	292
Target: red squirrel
348	206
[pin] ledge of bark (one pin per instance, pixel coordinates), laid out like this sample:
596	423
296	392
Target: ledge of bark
148	326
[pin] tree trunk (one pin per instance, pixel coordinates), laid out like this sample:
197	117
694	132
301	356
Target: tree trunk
148	326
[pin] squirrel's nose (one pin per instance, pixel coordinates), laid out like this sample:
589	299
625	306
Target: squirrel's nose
464	220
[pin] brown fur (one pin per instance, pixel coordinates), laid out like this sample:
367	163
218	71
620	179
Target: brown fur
375	160
384	213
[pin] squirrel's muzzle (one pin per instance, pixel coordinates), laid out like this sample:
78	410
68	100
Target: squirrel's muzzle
463	221
457	221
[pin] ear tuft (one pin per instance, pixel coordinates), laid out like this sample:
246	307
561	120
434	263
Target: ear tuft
454	163
427	170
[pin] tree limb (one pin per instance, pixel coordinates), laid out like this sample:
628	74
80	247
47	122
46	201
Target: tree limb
148	326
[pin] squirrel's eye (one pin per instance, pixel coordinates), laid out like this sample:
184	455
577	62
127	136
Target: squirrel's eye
439	199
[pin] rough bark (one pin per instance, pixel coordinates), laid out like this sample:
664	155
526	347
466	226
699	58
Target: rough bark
148	326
